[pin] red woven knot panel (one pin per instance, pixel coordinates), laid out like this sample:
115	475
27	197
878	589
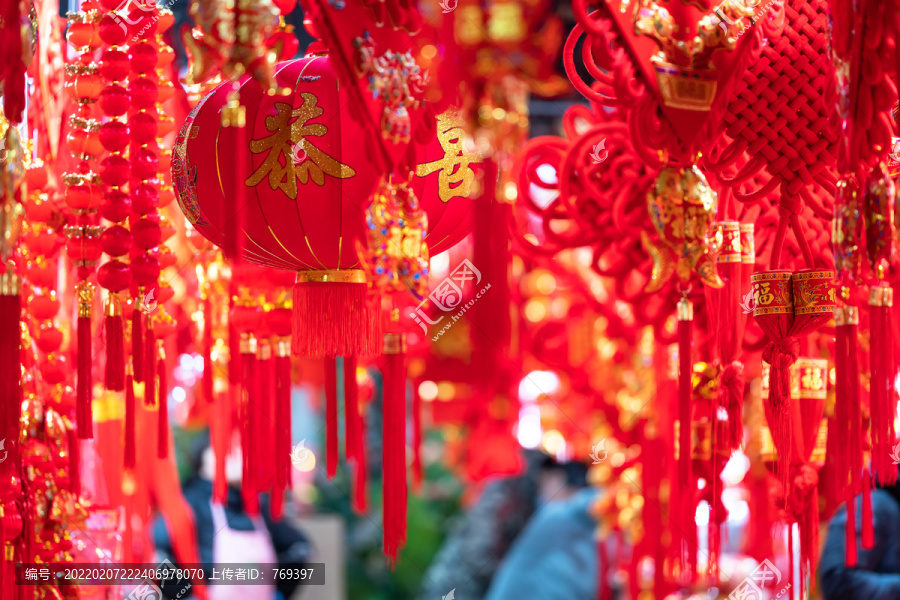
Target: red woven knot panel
784	109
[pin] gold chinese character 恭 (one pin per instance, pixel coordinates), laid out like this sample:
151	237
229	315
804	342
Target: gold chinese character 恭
289	139
456	177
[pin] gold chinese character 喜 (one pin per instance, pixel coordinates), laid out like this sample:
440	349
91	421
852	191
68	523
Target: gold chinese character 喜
290	138
454	166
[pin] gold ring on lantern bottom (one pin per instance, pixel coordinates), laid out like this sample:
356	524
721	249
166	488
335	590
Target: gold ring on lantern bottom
332	276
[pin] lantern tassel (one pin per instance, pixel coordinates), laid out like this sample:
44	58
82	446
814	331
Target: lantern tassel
850	534
685	326
83	409
331	418
394	446
249	411
868	530
417	442
130	459
351	408
207	383
361	470
137	339
282	433
150	367
266	427
162	446
115	344
333	316
355	442
283	383
882	406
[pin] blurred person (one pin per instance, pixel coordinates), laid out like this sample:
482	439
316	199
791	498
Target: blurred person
876	575
227	534
481	537
555	556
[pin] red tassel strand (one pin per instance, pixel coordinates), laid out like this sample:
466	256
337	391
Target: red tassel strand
137	339
351	409
417	441
282	431
150	367
84	398
394	446
331	418
850	534
207	382
130	460
283	394
687	526
115	344
162	440
266	427
249	416
882	375
868	529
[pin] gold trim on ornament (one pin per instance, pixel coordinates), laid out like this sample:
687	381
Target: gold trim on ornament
332	276
248	344
395	343
10	283
685	310
881	296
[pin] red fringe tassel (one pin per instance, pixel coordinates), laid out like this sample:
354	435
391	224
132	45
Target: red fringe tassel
331	418
685	477
334	319
83	409
149	366
137	342
868	530
207	383
249	417
115	347
130	460
883	405
394	456
162	446
417	441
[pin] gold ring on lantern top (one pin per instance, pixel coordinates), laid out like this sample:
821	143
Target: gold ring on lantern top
332	276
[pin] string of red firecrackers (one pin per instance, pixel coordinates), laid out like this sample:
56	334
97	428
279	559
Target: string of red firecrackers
83	194
165	325
143	153
115	241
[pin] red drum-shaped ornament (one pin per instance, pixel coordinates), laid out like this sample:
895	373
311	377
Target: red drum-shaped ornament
306	182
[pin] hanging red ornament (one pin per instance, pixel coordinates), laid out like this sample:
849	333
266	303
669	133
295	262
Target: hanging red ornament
304	142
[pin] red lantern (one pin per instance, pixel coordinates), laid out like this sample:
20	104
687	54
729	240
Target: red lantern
446	174
305	180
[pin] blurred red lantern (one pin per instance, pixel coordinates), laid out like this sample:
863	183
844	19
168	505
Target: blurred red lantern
304	180
446	173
